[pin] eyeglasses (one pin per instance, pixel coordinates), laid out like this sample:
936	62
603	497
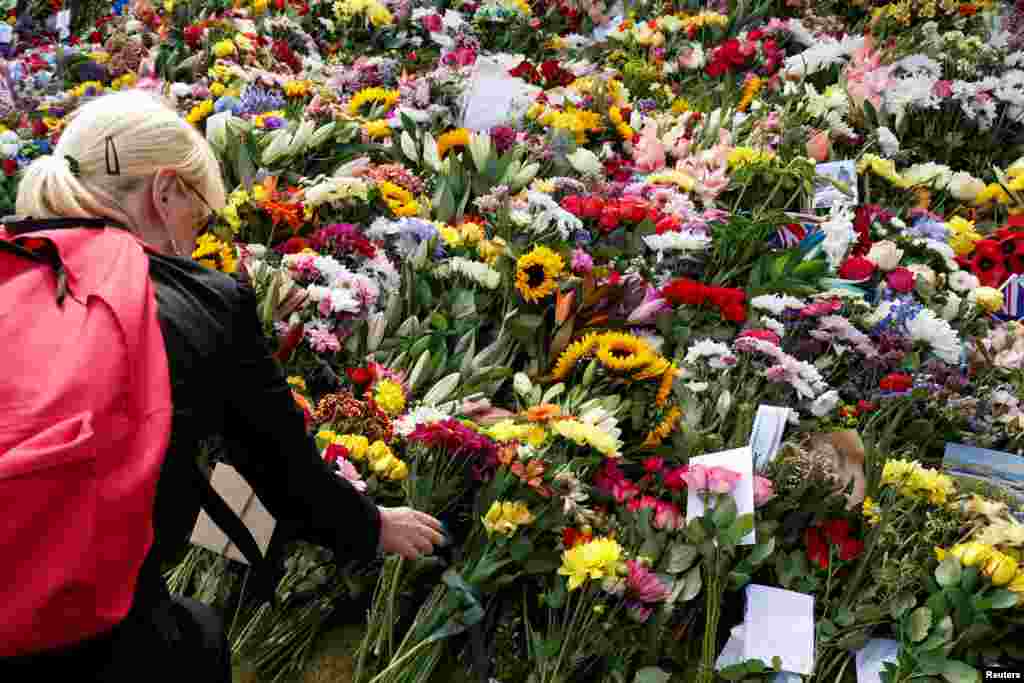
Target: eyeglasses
204	223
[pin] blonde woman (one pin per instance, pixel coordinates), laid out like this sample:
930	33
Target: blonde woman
128	162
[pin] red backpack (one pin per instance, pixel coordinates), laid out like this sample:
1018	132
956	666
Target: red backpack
85	419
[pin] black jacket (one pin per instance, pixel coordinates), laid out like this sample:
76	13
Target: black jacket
225	382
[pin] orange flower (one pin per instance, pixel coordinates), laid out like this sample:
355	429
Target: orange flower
281	211
968	10
543	412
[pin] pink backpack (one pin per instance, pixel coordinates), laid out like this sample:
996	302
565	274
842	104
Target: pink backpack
85	419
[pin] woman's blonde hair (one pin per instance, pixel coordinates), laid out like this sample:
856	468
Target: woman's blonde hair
111	146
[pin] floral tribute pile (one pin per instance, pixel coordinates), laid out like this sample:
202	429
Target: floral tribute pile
534	266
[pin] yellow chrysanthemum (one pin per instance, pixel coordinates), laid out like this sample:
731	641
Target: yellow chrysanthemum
962	235
595	559
200	112
743	156
914	481
390	396
586	434
537	273
223	48
377	129
572	355
298	88
505	517
624	352
376	96
452	139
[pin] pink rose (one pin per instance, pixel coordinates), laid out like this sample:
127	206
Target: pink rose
674	479
432	23
695	476
642	503
668	516
763	490
943	89
819	146
901	280
722	480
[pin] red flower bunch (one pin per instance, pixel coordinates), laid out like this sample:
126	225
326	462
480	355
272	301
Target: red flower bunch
736	55
730	301
610	214
550	74
896	382
282	51
454	437
362	376
998	257
835	533
867	217
856	268
194	35
764	335
335	452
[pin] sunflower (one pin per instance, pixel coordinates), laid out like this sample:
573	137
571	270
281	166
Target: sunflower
664	428
666	385
567	361
453	138
374	95
624	352
536	273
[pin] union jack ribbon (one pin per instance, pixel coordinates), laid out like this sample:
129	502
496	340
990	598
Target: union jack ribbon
1013	298
788	236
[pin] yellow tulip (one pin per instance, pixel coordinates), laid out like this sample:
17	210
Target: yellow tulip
1000	568
1017	585
399	471
382	465
971	553
379	451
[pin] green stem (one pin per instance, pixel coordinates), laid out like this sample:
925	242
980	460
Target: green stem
712	603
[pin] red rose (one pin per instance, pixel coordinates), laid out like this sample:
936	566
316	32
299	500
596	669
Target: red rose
850	549
763	335
896	382
734	312
836	530
360	376
866	406
856	268
901	279
684	291
817	549
10	167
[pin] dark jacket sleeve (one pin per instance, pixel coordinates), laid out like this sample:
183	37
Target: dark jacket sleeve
269	446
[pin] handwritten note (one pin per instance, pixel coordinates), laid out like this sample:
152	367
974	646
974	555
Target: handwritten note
826	194
738	460
780	623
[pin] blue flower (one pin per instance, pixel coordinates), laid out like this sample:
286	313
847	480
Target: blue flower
227	103
256	100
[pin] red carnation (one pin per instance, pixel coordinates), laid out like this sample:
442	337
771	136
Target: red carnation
684	291
763	335
901	279
896	382
592	207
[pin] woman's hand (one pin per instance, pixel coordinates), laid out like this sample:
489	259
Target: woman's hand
408	533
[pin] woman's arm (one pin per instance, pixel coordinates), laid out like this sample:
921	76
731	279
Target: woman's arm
271	449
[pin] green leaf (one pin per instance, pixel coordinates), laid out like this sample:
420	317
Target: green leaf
969	577
826	629
438	321
901	604
1000	599
724	513
920	623
762	551
948	572
542	562
680	558
844	617
743	525
521	549
957	672
693	584
652	674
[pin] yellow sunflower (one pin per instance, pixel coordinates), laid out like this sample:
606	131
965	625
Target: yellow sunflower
537	272
374	95
453	138
624	352
567	361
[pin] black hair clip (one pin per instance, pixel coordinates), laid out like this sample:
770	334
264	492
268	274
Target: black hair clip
112	151
73	164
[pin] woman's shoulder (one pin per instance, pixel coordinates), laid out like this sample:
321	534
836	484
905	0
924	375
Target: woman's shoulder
197	303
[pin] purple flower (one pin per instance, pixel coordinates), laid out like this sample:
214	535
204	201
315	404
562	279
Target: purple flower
582	262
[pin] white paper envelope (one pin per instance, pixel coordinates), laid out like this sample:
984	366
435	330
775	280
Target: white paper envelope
732	653
243	501
738	460
780	623
872	657
767	433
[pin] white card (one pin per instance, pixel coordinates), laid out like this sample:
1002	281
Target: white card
494	98
766	435
740	461
872	657
6	33
732	653
786	677
780	623
64	20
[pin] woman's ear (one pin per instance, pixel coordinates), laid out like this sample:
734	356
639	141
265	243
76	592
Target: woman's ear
161	192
